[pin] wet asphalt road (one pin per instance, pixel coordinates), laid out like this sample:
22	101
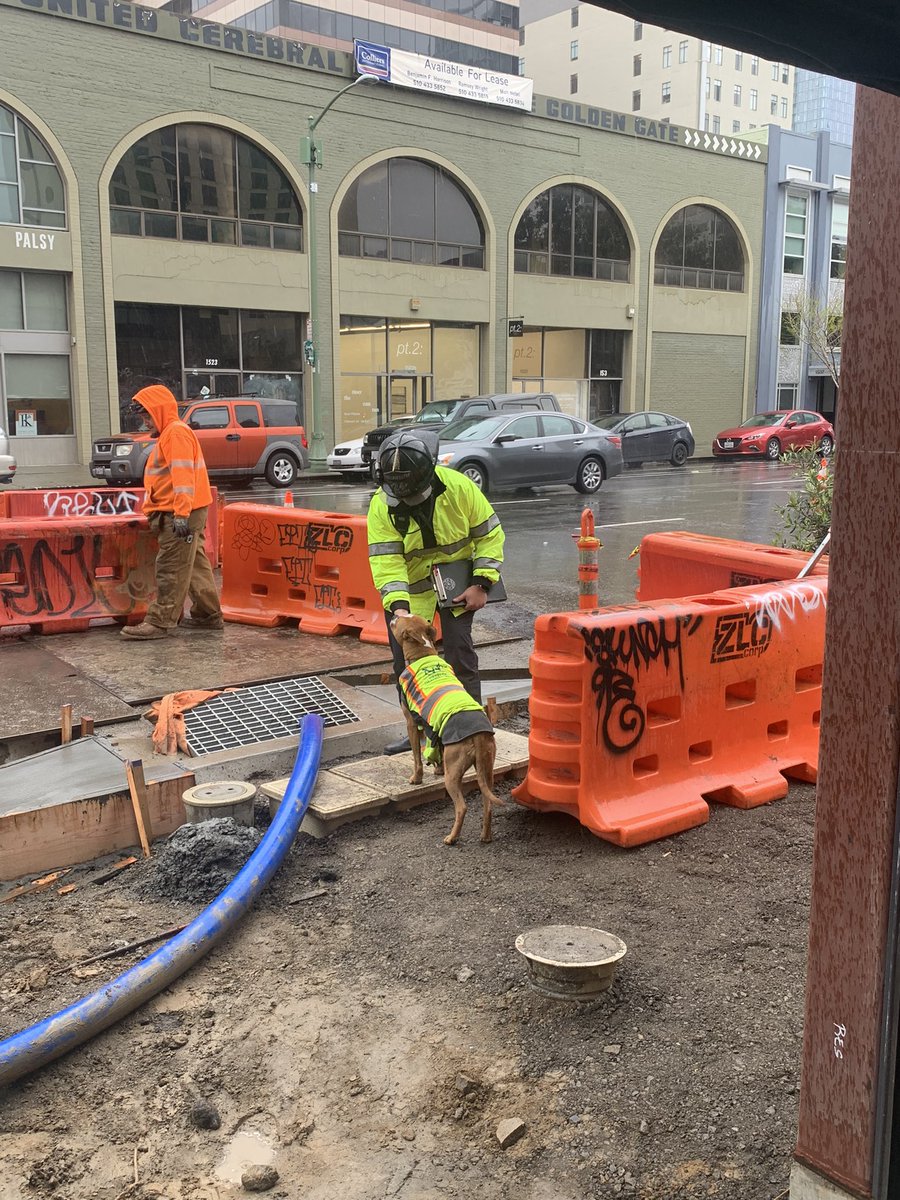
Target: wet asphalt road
727	499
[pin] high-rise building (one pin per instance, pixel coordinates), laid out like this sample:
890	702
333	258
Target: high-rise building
477	33
604	58
824	104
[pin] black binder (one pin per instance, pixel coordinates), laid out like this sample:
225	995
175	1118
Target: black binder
452	579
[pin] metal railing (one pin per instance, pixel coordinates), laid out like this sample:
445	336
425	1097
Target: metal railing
220	231
411	250
540	262
697	277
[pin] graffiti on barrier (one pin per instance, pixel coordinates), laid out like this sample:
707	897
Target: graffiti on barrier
789	601
92	504
338	538
252	534
328	596
40	579
741	579
619	654
298	569
740	635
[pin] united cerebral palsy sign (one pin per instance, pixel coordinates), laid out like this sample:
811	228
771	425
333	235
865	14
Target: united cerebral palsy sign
442	77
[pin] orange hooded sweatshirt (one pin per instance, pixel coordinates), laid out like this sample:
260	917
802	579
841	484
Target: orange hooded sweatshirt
175	476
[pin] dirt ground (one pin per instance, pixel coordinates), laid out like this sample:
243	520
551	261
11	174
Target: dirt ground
369	1040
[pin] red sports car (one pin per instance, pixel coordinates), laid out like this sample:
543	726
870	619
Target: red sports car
771	434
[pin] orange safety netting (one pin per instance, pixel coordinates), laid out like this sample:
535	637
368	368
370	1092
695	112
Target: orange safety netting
169	735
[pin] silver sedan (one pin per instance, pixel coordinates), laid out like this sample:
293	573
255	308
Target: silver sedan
530	449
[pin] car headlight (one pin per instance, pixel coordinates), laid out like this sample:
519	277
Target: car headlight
445	459
123	451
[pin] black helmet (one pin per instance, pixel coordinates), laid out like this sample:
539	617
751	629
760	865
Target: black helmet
405	467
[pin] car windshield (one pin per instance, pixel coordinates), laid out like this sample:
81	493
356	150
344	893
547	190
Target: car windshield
609	422
436	412
763	419
472	429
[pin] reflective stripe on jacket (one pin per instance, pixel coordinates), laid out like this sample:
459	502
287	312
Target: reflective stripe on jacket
434	693
465	527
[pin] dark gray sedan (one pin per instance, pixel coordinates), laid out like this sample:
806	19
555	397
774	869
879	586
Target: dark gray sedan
530	449
651	437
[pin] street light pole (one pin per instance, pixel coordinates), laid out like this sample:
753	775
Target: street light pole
311	155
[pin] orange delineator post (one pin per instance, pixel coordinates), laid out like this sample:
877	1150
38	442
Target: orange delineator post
63	576
686	564
281	564
588	568
642	715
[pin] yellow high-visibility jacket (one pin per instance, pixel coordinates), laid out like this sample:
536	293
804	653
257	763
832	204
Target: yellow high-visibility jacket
465	526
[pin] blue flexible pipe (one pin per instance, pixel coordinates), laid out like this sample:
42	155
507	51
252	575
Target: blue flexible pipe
38	1045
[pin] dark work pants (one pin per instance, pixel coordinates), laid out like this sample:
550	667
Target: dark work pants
459	650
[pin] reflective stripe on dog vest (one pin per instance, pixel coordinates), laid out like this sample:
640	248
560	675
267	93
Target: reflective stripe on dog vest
434	693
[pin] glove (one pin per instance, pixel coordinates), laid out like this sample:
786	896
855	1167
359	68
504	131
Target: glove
181	529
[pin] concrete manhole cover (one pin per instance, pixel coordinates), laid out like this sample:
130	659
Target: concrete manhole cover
571	962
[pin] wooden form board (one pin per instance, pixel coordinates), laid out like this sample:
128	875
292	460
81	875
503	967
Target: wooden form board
64	834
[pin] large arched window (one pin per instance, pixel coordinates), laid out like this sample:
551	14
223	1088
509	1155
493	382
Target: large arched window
411	211
700	248
571	230
31	188
204	184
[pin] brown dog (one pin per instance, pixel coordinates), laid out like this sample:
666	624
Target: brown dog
434	693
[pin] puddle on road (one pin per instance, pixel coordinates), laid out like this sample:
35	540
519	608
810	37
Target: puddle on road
246	1149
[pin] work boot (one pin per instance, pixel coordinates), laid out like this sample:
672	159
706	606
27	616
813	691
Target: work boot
145	632
401	747
214	622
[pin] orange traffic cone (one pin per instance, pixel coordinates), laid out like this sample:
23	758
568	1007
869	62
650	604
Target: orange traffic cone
288	499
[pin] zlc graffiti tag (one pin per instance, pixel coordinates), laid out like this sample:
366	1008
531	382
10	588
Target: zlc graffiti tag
618	655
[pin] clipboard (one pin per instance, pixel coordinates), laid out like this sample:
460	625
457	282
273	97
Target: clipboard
452	579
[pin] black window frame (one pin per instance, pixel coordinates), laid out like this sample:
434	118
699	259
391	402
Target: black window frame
709	277
553	260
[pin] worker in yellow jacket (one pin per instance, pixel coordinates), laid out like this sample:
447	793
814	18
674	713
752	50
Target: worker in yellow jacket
176	502
424	514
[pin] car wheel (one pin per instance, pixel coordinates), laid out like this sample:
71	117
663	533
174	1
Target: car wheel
475	472
281	470
826	445
679	454
590	476
773	450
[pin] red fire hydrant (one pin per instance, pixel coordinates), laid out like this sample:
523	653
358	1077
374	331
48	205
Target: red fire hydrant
588	570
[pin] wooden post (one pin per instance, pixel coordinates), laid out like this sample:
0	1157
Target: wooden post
138	788
65	724
87	726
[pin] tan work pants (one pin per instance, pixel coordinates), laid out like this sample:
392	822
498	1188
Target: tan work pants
182	569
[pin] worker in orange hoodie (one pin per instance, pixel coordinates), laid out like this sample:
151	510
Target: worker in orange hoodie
176	502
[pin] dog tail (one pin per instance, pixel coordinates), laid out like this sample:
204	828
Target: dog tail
484	767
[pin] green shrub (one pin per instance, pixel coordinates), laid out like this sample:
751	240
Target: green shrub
806	517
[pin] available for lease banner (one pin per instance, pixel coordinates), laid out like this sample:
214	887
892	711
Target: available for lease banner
442	77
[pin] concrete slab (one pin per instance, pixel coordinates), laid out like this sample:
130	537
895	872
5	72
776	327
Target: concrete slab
37	682
504	691
241	654
335	801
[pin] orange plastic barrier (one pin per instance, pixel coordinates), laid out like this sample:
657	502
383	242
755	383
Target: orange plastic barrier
61	577
64	504
641	715
686	564
282	564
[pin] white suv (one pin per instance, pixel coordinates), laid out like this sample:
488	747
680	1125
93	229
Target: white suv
7	462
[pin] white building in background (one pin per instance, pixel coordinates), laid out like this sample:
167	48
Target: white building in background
603	58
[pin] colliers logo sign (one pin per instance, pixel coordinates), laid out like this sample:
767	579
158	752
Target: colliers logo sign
436	75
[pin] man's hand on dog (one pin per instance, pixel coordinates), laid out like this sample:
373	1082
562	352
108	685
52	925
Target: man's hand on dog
473	598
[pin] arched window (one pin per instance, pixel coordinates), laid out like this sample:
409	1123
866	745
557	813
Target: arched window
571	230
700	248
407	210
204	184
31	187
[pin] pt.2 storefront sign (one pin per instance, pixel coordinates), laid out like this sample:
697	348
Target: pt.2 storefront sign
516	328
139	18
443	78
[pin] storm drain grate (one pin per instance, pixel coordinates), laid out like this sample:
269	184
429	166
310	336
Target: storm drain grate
261	714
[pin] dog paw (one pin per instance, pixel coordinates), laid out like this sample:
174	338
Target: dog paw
487	839
416	777
450	840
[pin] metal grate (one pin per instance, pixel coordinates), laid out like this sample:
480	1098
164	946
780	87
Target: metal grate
261	714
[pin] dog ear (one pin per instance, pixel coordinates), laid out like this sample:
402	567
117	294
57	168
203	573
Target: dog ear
432	632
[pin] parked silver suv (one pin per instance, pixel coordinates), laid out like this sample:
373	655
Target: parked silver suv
7	462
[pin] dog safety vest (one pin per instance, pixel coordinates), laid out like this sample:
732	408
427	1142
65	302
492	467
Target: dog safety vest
434	693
